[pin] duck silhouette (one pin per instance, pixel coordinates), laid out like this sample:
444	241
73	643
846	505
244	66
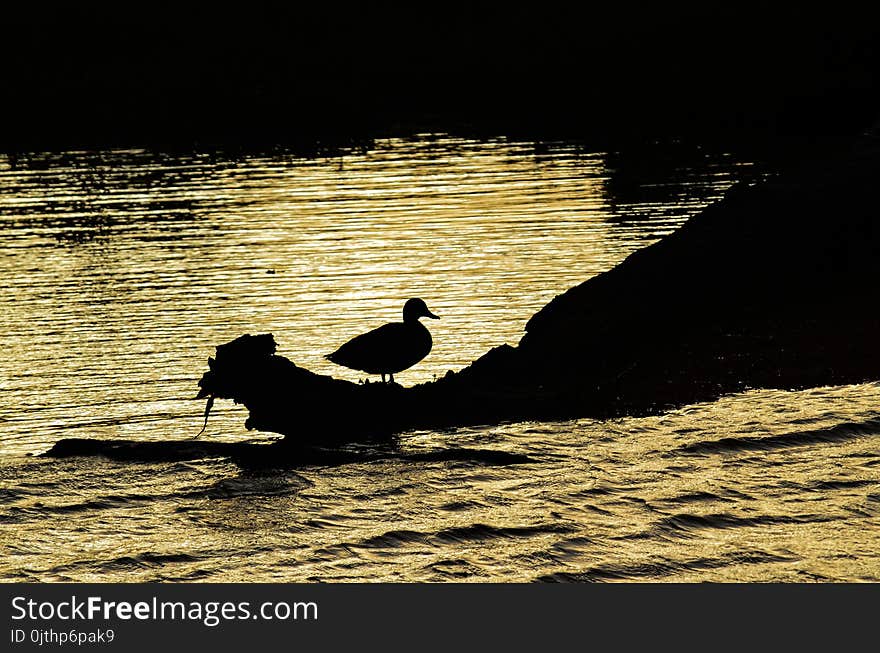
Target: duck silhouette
392	347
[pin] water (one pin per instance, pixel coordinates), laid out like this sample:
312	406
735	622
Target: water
124	269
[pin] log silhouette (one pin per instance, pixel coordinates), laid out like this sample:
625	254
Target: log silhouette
774	286
771	287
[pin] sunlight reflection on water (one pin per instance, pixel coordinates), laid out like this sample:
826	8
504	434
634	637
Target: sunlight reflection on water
125	269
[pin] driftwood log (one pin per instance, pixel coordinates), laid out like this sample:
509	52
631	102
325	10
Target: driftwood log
774	286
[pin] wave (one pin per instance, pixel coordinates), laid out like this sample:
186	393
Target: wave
459	534
477	456
684	524
226	488
839	433
664	568
147	559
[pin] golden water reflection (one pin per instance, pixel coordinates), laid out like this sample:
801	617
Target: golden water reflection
124	269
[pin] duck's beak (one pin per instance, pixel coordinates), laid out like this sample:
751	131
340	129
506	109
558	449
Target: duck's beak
432	316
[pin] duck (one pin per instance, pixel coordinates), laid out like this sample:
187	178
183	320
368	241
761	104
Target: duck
390	348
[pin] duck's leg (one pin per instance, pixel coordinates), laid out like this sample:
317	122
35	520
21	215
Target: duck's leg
383	377
392	378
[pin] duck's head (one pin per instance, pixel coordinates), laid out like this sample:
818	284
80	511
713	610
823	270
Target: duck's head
416	308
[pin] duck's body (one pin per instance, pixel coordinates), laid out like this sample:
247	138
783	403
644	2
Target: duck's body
391	348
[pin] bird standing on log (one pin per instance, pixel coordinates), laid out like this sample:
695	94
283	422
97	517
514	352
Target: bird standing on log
392	347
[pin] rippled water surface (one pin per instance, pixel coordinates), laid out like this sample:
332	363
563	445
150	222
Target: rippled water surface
122	270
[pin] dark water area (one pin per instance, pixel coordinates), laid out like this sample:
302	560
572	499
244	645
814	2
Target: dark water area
125	268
